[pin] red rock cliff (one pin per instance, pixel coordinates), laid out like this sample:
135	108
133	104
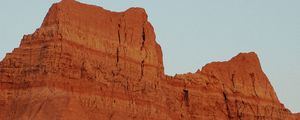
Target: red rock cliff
85	62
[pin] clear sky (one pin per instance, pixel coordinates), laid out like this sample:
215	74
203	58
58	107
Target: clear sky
195	32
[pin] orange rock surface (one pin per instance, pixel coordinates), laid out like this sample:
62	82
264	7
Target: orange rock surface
88	63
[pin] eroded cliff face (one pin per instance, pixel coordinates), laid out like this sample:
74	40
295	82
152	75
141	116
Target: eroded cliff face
235	89
85	62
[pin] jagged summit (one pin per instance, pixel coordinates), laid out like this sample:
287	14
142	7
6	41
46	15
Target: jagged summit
250	58
243	73
244	61
85	62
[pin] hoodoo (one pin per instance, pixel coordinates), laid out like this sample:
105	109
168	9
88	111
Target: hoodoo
88	63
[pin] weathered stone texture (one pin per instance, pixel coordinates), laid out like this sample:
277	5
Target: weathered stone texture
87	63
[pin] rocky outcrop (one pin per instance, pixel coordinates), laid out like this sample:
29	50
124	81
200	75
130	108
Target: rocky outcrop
235	89
85	62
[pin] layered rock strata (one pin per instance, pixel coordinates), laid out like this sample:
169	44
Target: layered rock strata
87	63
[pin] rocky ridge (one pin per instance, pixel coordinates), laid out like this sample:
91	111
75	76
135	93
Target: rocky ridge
85	62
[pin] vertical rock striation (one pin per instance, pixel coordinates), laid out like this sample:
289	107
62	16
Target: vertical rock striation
85	62
235	89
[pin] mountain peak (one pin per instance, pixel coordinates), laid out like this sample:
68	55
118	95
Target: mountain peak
242	72
243	61
247	58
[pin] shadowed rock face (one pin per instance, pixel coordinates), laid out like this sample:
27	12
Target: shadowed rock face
85	62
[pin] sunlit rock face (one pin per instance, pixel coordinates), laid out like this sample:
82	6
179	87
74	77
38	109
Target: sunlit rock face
87	63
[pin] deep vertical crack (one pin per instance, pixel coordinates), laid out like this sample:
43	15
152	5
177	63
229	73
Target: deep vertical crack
227	106
232	80
252	75
118	56
226	102
143	49
119	36
143	38
142	69
119	43
186	97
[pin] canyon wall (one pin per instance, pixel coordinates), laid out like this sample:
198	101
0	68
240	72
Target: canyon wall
87	63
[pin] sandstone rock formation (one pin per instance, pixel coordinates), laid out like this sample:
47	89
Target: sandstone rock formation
87	63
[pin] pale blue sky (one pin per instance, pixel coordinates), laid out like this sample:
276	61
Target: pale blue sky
195	32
